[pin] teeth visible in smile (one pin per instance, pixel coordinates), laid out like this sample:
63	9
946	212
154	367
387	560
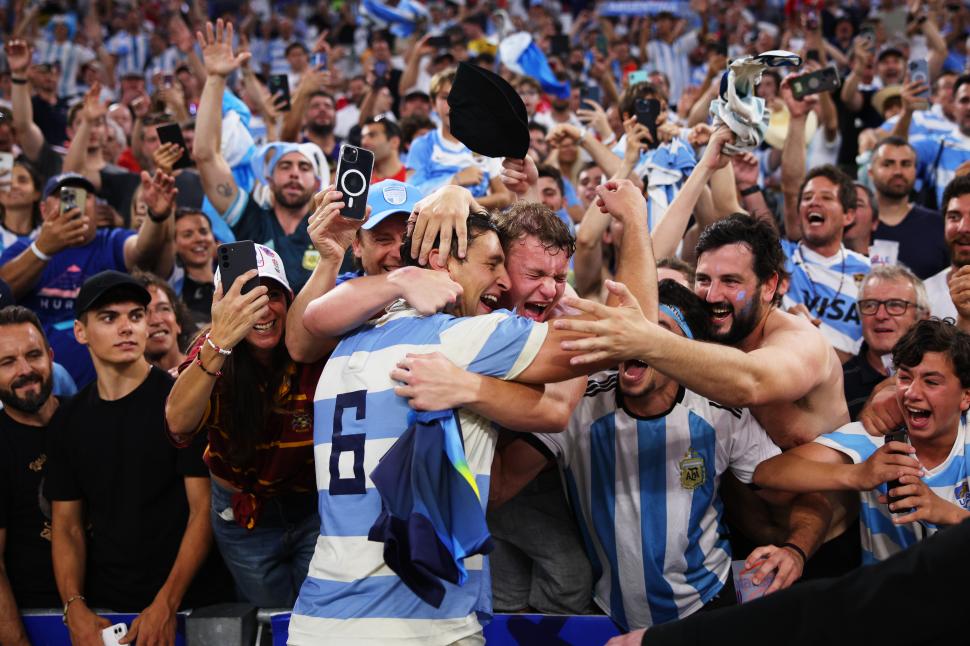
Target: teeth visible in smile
262	327
158	333
814	217
537	307
489	299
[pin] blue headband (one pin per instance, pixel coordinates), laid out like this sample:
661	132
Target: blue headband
678	316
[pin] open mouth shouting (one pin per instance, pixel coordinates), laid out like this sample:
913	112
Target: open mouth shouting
535	311
488	302
917	419
633	370
720	312
815	218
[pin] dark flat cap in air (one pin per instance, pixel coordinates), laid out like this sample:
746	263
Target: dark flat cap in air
487	114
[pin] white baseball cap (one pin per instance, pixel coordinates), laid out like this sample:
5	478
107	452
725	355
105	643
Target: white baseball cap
269	265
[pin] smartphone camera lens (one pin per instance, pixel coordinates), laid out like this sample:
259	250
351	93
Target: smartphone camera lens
350	154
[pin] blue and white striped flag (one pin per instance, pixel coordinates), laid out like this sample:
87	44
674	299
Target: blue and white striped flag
520	54
403	18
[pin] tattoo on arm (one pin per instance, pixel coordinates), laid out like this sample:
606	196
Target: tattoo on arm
224	189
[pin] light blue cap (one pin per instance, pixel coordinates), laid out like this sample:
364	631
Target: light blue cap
390	197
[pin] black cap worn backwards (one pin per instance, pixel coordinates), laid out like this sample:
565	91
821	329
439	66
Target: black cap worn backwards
487	114
109	287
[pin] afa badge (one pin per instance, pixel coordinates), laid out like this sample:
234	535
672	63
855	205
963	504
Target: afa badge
962	493
311	258
692	471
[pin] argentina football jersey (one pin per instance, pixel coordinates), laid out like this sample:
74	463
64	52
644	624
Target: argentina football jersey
829	288
881	537
938	158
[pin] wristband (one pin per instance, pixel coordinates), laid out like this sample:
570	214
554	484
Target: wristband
582	137
43	257
751	190
68	604
158	218
797	550
212	345
198	362
611	140
17	81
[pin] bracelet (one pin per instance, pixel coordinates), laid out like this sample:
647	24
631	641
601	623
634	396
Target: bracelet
37	252
797	550
212	345
17	81
158	218
611	140
751	190
68	604
582	137
198	362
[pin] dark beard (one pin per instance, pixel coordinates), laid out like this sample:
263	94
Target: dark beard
741	326
891	192
320	130
32	403
297	203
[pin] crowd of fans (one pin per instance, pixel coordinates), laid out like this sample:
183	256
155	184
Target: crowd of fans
663	353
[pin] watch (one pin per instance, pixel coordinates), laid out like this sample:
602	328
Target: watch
751	190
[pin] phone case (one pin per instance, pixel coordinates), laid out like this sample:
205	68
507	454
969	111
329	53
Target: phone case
172	133
919	70
73	197
111	636
647	111
235	259
354	168
823	80
280	83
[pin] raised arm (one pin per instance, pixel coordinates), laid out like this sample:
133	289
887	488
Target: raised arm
217	180
861	57
29	136
793	155
412	68
77	160
154	246
602	155
910	98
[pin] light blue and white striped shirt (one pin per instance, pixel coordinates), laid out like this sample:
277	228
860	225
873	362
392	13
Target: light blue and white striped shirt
70	57
435	161
829	288
955	151
131	51
645	493
671	59
925	123
881	538
350	595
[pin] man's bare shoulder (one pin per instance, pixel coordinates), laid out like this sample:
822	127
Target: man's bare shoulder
795	332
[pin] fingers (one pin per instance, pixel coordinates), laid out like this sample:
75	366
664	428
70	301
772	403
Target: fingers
420	224
461	231
236	288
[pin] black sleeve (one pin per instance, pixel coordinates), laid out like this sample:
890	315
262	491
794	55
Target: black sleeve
5	484
189	462
867	606
61	483
48	162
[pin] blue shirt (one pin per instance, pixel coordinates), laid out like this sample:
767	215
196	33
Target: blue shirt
349	592
53	295
954	152
435	161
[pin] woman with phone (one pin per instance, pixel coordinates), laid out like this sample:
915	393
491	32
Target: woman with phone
20	203
240	387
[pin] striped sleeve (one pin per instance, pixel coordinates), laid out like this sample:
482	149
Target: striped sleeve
852	440
499	344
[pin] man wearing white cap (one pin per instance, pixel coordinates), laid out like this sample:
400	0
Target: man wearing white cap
293	172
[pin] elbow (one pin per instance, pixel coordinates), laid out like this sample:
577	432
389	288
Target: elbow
203	154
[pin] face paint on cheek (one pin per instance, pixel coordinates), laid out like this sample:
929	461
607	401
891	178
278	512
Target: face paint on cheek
741	295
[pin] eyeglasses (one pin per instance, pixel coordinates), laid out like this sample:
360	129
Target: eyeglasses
894	306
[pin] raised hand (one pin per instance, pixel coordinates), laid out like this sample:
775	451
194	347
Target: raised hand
94	108
745	170
19	53
330	232
63	230
235	314
621	199
166	155
796	108
217	49
520	175
714	156
158	192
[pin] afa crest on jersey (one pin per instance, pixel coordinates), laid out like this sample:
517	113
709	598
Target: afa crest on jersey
692	471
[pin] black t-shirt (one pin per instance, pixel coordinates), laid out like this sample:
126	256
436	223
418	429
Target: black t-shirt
117	458
118	187
851	124
198	296
922	247
858	381
51	119
26	514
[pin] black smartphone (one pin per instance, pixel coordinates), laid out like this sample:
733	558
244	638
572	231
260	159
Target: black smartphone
439	42
823	80
899	435
235	259
354	168
559	45
647	111
280	83
171	133
589	92
813	55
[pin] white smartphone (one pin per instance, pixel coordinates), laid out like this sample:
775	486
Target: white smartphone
6	171
112	635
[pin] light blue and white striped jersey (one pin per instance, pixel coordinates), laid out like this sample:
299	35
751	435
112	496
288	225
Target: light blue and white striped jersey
955	151
671	59
435	161
70	57
881	538
166	62
938	293
645	493
8	237
829	288
350	595
276	57
131	50
925	123
666	168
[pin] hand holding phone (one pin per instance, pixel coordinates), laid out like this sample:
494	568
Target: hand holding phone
647	111
235	259
919	71
354	168
73	197
823	80
171	133
280	84
899	435
111	636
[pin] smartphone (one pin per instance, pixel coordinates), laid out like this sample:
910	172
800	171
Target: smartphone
111	636
171	133
811	20
591	93
813	55
559	45
919	70
6	171
439	42
637	76
354	168
899	435
235	259
168	80
319	60
869	35
73	197
823	80
280	83
380	69
647	111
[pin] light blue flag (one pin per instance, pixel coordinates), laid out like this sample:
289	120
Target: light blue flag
520	54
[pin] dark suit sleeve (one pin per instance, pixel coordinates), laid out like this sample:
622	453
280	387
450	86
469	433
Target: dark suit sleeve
877	604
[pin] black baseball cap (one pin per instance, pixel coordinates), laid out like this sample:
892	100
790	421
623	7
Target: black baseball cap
487	114
109	287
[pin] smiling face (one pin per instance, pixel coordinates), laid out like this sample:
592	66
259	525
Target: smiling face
293	181
268	330
163	327
22	193
549	193
821	213
115	333
956	229
482	275
726	281
639	380
589	179
882	330
537	278
193	240
26	368
931	396
379	249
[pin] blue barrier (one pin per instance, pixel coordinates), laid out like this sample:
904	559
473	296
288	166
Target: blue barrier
47	629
